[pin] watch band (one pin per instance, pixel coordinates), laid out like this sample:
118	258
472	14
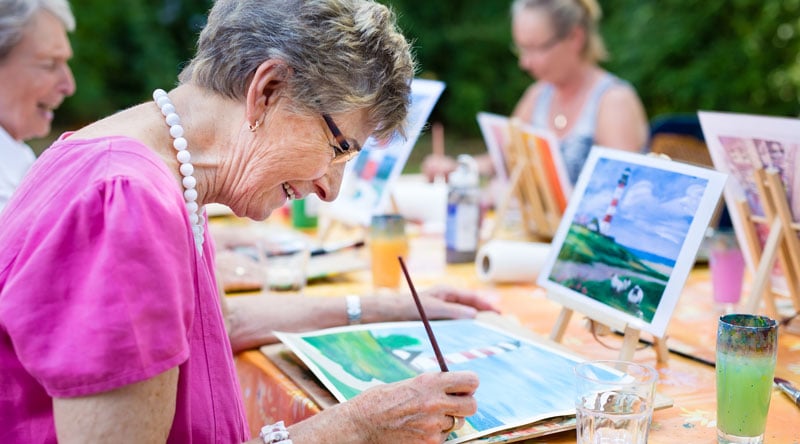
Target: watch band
353	309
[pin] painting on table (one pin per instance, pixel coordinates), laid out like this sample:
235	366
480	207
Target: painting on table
511	368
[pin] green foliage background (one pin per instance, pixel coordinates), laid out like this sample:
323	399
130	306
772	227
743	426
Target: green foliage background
681	55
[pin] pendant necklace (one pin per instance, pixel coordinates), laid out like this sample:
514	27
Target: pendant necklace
560	121
186	168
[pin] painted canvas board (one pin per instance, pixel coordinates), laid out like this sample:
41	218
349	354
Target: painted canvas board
522	381
547	156
496	136
495	129
629	237
368	178
741	143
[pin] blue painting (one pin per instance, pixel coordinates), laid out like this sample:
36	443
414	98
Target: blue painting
521	381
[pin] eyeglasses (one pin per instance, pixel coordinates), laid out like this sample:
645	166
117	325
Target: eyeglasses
538	49
342	151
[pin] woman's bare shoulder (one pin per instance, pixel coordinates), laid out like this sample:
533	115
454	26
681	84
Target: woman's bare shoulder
524	107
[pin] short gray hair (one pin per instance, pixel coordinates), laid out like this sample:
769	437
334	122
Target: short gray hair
16	14
345	55
567	14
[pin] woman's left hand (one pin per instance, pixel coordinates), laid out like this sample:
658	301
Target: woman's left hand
440	302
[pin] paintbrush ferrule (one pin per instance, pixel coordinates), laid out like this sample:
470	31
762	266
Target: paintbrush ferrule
790	390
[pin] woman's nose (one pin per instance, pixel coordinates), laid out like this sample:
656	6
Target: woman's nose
66	84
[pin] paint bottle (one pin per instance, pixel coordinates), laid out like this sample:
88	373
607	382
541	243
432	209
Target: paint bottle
463	211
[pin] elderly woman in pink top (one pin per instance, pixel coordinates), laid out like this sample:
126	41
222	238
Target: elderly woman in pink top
111	326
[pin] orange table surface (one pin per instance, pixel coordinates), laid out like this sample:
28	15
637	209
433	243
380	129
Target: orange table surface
271	396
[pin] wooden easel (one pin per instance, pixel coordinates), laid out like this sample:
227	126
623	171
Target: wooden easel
782	242
529	185
630	337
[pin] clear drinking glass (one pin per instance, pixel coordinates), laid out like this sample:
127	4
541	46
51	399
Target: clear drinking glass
746	356
614	403
284	267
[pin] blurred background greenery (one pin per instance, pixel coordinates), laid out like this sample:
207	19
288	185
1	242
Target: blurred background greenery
681	55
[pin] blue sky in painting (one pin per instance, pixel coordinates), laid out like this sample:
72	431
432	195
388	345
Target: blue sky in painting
517	387
656	209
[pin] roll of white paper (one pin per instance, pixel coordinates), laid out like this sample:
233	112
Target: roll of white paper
511	261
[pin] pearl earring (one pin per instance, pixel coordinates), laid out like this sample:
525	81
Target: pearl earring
254	126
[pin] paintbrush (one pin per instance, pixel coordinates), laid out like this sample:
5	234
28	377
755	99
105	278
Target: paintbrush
428	329
789	389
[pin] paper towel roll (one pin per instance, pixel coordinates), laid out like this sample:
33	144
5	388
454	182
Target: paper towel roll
511	261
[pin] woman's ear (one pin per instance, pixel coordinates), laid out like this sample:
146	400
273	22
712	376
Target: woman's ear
269	78
578	38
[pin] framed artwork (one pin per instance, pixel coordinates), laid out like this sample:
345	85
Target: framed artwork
628	238
349	360
368	178
740	144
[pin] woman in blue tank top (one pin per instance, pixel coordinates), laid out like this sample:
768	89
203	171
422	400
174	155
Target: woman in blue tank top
584	105
558	44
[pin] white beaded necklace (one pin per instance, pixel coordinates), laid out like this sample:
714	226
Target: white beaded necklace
186	168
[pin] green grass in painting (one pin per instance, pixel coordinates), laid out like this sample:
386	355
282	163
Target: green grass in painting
361	355
588	249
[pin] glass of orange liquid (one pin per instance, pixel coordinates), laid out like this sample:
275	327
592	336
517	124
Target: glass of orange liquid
387	241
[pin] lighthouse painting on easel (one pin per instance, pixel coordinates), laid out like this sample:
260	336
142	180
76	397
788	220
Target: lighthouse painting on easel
630	235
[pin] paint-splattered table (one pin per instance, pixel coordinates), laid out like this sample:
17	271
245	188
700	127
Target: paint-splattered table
271	395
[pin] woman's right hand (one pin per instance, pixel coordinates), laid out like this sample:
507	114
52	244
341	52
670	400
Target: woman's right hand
417	410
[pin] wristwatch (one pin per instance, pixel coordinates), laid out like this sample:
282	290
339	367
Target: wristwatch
353	309
275	434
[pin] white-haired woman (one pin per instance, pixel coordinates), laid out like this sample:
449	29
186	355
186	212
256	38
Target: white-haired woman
110	322
34	79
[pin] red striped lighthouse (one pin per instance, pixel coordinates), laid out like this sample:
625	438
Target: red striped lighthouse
605	224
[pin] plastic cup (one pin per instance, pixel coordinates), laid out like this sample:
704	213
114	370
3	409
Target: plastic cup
305	211
387	241
284	269
726	263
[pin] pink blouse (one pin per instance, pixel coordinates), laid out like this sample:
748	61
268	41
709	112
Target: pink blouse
101	286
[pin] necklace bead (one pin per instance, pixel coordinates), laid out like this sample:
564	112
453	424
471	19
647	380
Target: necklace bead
189	183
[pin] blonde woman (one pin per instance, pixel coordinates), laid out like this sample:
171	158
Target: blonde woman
559	45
